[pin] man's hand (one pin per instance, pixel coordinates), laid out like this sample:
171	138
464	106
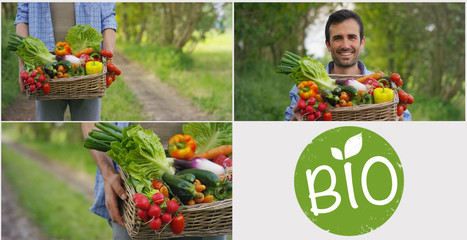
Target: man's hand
114	190
399	118
20	80
23	30
297	116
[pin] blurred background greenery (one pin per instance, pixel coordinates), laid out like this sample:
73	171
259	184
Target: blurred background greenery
423	42
186	45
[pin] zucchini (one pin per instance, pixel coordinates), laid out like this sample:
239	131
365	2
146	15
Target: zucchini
189	177
206	177
66	64
353	92
184	190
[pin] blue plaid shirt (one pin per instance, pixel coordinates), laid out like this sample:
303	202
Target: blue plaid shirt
294	95
99	207
100	15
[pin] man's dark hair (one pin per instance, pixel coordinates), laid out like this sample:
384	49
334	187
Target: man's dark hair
340	16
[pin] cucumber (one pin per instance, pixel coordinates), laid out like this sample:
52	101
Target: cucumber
181	188
189	177
206	177
353	92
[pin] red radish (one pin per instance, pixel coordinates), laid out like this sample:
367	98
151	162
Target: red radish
143	215
32	88
154	211
38	85
41	78
137	195
24	75
311	117
322	107
158	198
317	114
310	109
312	101
31	80
33	74
166	218
142	203
172	206
155	224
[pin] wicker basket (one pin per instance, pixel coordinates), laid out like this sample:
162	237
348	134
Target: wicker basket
207	219
80	87
386	111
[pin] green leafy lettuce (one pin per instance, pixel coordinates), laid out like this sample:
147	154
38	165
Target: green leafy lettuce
33	52
81	37
310	69
209	135
141	154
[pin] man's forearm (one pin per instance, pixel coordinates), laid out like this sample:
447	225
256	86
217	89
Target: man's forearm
109	36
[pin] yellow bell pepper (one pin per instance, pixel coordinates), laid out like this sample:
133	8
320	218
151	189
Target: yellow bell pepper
93	67
383	95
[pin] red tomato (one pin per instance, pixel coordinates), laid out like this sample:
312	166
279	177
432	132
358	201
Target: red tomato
409	99
177	224
404	105
107	53
118	71
402	96
400	110
111	67
108	80
396	78
46	88
327	116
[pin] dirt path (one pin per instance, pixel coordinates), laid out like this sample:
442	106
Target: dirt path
161	102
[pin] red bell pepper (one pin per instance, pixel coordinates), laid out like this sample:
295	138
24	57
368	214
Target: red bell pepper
372	83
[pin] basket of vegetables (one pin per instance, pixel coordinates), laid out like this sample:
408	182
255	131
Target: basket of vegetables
336	97
76	69
169	197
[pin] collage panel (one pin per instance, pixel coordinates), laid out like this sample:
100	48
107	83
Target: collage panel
124	61
345	61
167	180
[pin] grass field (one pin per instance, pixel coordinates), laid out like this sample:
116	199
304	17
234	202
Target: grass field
205	76
58	210
10	86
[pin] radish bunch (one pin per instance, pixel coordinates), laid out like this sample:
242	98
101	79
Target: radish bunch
158	211
33	81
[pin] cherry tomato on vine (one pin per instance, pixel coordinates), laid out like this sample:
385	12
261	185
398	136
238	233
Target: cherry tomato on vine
118	71
111	67
108	80
402	96
409	99
106	53
400	110
396	78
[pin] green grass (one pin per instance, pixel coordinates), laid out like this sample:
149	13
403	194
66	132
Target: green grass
205	76
121	104
429	108
57	209
261	94
10	86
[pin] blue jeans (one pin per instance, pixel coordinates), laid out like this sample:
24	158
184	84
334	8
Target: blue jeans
80	109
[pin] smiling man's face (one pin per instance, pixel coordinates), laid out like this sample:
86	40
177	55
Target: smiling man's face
345	43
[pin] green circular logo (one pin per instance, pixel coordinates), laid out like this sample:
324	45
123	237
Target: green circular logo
349	181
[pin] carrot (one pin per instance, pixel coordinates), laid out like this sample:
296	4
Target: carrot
199	198
221	150
191	202
376	75
87	51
